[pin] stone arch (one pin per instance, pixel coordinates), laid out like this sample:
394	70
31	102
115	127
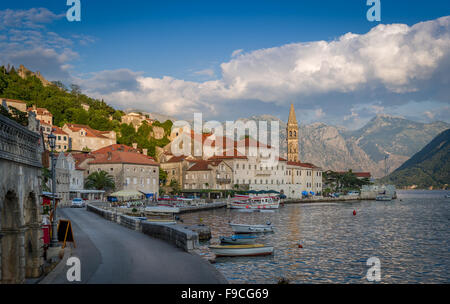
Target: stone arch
12	240
32	236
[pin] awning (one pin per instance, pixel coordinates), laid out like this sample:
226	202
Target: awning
148	195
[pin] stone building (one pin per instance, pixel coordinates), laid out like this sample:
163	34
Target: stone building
42	114
62	138
84	137
18	104
175	167
62	172
20	216
136	119
131	170
212	174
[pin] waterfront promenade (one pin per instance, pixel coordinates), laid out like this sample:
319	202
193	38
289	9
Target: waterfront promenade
113	254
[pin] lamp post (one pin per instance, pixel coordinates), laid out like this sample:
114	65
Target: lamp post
52	144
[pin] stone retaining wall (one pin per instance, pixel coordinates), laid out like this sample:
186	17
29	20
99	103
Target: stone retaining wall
176	234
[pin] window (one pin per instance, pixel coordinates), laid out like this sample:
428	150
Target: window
127	181
154	181
148	181
111	169
65	137
135	180
237	166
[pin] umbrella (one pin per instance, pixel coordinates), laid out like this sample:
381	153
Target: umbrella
305	192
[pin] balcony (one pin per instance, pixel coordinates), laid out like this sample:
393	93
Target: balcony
223	180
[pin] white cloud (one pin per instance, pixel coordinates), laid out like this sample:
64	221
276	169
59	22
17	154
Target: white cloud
236	53
206	72
392	59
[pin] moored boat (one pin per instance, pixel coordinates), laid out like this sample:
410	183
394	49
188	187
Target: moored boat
247	202
161	215
383	198
238	239
241	250
244	228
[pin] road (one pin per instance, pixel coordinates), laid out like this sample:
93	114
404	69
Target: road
112	254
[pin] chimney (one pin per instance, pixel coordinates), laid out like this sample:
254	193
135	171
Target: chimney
144	151
135	146
109	155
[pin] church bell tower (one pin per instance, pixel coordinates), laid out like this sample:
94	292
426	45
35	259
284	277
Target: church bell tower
292	136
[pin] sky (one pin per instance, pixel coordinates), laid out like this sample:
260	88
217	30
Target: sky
235	59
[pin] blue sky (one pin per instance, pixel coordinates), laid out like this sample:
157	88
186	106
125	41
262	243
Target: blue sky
175	57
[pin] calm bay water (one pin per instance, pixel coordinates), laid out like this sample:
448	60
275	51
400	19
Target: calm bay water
409	235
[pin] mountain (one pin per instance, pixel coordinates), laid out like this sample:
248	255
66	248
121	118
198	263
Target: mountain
339	149
430	167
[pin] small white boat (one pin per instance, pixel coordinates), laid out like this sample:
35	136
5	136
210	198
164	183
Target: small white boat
161	215
238	239
247	202
383	198
241	250
243	228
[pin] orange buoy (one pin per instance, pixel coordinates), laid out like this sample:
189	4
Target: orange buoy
354	212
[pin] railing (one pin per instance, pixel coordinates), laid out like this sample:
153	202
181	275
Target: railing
19	144
221	180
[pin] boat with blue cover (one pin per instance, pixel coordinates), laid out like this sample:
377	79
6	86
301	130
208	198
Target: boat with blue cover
238	239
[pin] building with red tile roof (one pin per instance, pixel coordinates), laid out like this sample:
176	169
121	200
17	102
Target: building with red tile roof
131	170
83	137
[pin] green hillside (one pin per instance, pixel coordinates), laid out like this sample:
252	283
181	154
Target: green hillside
428	167
65	106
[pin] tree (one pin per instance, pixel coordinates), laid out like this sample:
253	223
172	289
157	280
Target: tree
175	186
162	176
100	180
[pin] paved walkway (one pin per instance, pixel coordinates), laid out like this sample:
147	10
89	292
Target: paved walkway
110	253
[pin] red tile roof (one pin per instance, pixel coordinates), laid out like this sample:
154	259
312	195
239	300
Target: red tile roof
201	165
116	147
13	100
58	130
176	159
89	131
40	111
120	157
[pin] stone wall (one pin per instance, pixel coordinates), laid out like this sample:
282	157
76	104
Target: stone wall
20	219
175	234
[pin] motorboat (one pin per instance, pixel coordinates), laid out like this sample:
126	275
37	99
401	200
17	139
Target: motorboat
248	202
238	239
383	197
241	250
244	228
161	215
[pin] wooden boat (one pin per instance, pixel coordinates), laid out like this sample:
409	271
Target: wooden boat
241	250
243	228
383	198
161	215
238	239
247	202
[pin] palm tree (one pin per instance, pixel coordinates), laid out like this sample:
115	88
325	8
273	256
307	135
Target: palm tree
100	180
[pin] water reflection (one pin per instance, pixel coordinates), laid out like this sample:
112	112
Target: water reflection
410	236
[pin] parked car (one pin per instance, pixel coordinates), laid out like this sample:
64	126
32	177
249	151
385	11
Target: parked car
77	203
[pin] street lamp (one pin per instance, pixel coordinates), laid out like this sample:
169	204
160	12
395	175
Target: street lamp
52	144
